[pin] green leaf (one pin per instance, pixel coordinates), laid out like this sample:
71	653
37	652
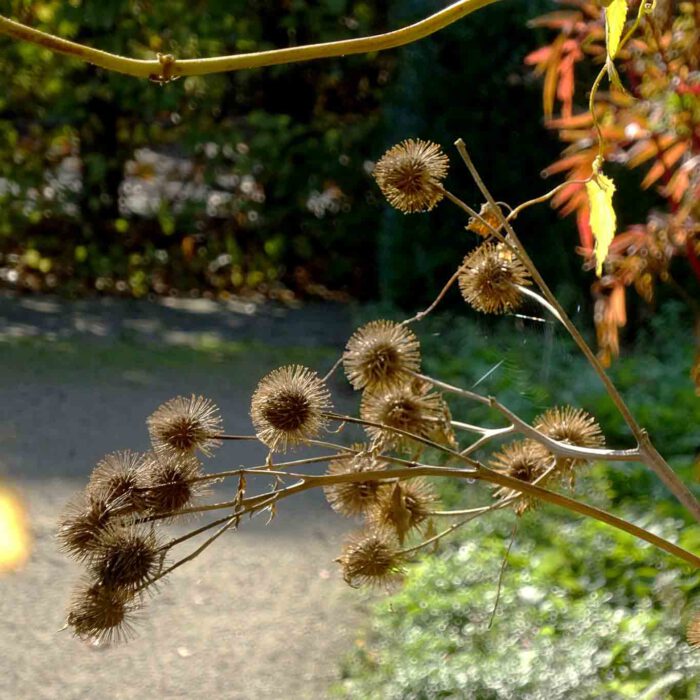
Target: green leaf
603	221
615	16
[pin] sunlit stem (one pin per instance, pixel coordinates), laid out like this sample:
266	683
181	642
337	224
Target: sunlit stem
650	454
167	67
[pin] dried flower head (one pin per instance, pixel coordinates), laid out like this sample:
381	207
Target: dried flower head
411	408
525	460
170	482
410	173
288	407
118	478
693	631
404	507
371	558
102	614
378	355
354	498
489	277
126	557
183	425
574	426
490	216
80	527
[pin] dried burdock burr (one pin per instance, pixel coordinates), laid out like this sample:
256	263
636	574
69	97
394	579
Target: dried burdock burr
183	425
409	175
410	408
288	407
378	355
102	614
371	558
353	498
404	507
170	482
126	556
490	278
82	524
119	478
574	426
527	461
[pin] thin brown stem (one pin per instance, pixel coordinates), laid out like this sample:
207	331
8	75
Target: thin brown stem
165	68
234	437
650	455
545	197
485	439
563	449
403	433
501	574
422	314
262	468
233	520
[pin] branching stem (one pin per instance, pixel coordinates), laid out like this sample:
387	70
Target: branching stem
650	456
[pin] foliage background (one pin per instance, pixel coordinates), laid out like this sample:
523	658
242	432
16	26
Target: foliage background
585	612
258	179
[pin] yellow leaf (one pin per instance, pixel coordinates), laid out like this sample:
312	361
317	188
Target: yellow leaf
603	221
615	16
14	533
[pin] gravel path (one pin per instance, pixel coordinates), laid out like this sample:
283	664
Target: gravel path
263	613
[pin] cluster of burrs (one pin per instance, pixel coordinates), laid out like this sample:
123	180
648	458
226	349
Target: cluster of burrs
114	527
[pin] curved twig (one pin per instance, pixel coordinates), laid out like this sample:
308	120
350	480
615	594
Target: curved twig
166	67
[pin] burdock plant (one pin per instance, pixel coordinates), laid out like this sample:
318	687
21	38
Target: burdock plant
410	439
385	480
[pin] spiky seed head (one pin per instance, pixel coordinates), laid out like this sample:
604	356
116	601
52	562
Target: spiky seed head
404	507
371	559
354	498
118	478
490	216
288	407
126	557
378	355
693	631
81	525
409	175
525	460
102	614
574	426
183	425
489	277
170	482
409	408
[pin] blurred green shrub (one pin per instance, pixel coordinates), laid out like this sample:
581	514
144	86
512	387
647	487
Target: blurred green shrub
585	612
257	179
221	183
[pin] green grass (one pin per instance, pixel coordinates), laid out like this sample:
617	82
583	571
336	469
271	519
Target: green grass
39	357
